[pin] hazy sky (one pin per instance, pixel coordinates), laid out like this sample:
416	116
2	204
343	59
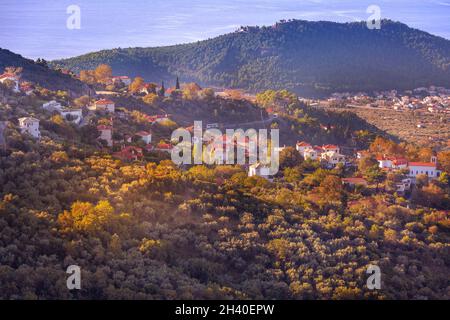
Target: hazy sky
37	28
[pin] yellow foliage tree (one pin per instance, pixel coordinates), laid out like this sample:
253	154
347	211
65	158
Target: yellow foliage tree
103	73
137	84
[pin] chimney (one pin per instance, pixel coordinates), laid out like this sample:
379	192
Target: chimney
434	159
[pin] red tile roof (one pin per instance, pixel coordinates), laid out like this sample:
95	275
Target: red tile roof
317	148
104	101
303	144
129	153
330	146
103	127
164	146
8	75
143	133
422	164
399	161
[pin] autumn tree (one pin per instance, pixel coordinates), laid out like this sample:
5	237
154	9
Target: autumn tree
443	158
87	76
374	175
103	73
330	188
85	216
207	93
136	85
191	91
290	157
366	163
150	98
81	101
381	146
13	70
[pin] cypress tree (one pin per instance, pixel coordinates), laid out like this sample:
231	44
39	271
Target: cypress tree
163	90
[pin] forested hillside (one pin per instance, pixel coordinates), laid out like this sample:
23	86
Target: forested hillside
41	74
309	58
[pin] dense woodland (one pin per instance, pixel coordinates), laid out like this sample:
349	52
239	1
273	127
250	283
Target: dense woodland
151	230
309	58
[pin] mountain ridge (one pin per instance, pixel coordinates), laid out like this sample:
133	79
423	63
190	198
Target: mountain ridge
306	57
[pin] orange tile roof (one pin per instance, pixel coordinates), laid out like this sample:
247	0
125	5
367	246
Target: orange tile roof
164	146
8	75
143	133
422	164
104	101
330	146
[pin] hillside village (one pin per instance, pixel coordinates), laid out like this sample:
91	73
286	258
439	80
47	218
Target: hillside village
132	146
419	116
88	179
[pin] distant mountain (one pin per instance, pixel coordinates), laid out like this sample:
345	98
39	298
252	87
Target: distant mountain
40	74
307	57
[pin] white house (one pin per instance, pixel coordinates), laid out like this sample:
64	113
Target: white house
403	186
331	147
399	163
392	162
261	170
105	134
384	163
333	158
427	168
52	106
302	146
11	77
104	105
30	125
145	136
311	153
72	115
